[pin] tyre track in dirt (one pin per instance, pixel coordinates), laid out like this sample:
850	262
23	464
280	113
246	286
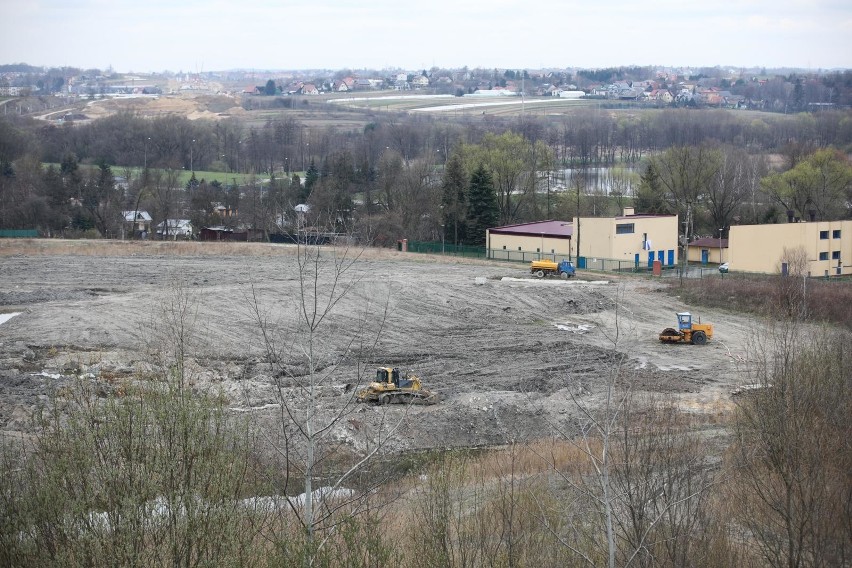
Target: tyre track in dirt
507	356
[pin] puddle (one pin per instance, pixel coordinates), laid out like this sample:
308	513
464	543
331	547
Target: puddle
579	329
6	317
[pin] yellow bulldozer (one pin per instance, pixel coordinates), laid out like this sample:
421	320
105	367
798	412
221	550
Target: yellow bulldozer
687	331
394	387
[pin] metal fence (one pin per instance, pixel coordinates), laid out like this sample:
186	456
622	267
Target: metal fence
431	247
18	233
521	255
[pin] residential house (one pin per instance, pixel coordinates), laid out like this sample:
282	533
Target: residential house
174	229
420	82
659	96
309	89
224	211
136	223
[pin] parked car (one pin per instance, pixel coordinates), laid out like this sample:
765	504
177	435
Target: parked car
723	268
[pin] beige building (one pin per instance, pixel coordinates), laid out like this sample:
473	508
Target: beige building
530	241
827	247
708	250
630	239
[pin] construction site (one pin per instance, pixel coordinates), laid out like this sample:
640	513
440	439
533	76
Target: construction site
510	355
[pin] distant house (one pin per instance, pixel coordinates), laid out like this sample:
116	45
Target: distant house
309	89
137	222
223	210
420	82
339	86
659	95
174	229
570	94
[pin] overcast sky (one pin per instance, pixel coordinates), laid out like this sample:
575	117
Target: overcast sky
196	35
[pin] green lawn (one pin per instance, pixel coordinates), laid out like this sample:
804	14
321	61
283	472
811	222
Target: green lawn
225	178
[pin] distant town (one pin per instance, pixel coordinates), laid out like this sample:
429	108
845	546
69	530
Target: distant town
779	90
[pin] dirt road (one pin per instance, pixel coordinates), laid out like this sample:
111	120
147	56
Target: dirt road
511	358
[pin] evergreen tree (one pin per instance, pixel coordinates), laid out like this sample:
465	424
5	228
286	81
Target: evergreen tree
650	195
192	183
482	212
311	177
453	200
270	88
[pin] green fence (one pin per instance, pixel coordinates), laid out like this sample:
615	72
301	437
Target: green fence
446	248
18	233
587	263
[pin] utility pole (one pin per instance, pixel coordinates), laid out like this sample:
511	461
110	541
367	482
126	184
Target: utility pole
686	241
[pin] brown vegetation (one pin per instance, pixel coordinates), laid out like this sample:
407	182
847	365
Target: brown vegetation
827	301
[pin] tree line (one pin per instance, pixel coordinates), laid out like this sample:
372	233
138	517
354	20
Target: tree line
390	179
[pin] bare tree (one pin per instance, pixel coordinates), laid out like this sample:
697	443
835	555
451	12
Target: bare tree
645	484
311	343
792	457
141	471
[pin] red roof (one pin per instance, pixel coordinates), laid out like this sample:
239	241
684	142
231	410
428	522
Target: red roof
709	242
550	229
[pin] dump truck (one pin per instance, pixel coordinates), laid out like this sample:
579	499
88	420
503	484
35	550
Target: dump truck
394	387
541	268
687	331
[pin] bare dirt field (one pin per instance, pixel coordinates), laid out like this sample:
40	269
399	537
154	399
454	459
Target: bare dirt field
511	358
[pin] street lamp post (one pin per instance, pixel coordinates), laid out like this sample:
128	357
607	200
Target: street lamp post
148	139
191	146
720	245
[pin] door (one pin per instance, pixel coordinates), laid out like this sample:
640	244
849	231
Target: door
671	257
661	256
651	259
705	256
636	261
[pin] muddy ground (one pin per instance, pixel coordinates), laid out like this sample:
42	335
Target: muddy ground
512	359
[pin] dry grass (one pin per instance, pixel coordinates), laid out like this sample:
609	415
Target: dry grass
827	300
85	247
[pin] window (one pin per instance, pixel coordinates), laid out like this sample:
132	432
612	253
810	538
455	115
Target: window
625	229
835	234
835	255
823	256
823	234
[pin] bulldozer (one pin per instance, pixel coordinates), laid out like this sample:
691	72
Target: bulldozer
687	332
393	387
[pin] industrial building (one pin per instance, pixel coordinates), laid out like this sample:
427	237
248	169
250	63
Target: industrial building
826	247
629	240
